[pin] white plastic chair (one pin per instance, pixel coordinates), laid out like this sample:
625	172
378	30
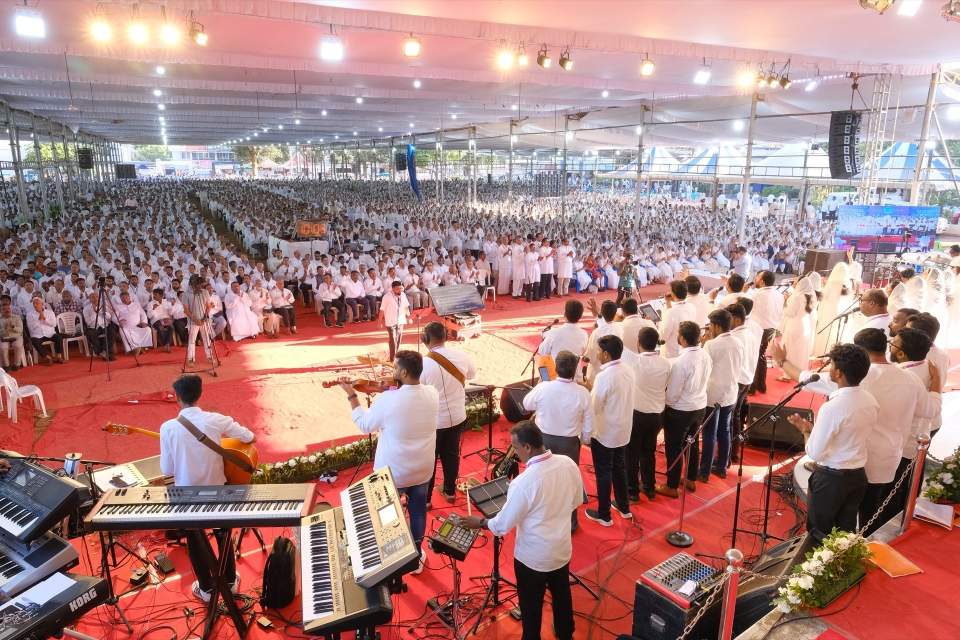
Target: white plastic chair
488	291
67	324
16	393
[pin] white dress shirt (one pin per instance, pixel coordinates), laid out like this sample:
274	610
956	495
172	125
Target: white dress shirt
630	329
879	321
189	461
406	419
767	307
651	371
395	309
844	425
678	312
932	418
41	327
539	503
562	408
703	305
689	378
353	289
612	403
567	336
452	395
726	357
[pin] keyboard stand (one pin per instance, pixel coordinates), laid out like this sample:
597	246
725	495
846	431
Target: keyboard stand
449	612
492	597
217	567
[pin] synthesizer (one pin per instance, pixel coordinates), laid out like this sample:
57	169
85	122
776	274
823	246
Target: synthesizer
378	537
33	499
332	600
225	506
23	565
46	608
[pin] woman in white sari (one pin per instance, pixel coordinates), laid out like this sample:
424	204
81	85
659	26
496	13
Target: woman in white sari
836	299
798	323
935	303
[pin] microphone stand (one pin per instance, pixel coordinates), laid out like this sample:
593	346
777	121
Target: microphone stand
533	355
681	538
841	316
771	414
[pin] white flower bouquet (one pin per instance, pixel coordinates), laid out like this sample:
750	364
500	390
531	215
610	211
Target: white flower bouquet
825	573
308	468
944	485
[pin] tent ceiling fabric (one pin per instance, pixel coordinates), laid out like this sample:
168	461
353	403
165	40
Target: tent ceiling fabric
244	79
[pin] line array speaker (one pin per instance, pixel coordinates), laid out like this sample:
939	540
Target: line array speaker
125	171
842	147
85	158
400	161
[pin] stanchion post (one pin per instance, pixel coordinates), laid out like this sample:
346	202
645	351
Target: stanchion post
916	477
734	565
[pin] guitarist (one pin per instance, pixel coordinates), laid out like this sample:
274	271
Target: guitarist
192	461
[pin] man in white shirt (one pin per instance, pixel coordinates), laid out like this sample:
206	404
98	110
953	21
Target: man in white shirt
567	336
281	301
686	403
700	301
767	312
394	315
726	358
160	315
605	327
678	311
873	305
632	323
838	445
373	291
611	399
651	371
406	420
192	463
538	504
329	295
354	296
562	411
928	324
42	325
447	370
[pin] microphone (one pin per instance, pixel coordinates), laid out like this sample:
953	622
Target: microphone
849	312
814	378
585	360
551	325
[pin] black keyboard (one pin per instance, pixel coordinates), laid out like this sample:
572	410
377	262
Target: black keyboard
31	616
33	499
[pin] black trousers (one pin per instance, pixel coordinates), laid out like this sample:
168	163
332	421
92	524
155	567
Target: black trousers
329	306
760	377
532	291
448	452
641	452
676	426
294	286
306	290
610	467
394	338
872	497
41	344
531	586
164	333
356	304
741	409
546	284
180	326
288	314
101	340
568	446
899	502
835	497
200	568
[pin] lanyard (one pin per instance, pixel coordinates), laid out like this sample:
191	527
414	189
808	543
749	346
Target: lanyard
539	459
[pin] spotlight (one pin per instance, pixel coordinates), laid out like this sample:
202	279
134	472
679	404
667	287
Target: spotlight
761	81
359	100
504	57
877	5
453	116
331	47
702	76
543	58
522	58
908	8
604	94
138	33
162	107
323	112
738	125
514	107
280	127
248	138
256	134
336	137
811	85
746	78
417	84
785	82
160	70
297	121
566	63
379	129
411	47
647	67
638	130
30	24
162	119
100	30
200	36
354	133
157	93
170	34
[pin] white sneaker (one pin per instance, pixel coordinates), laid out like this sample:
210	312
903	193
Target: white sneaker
199	593
626	515
421	564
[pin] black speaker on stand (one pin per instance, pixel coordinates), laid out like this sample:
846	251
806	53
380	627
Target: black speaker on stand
85	158
511	401
842	147
400	161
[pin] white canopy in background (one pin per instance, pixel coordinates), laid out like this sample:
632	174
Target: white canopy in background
788	162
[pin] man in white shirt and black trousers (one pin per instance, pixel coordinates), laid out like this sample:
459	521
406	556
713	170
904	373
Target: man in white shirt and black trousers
611	398
539	502
447	370
686	405
726	358
394	314
192	463
562	411
406	420
838	444
567	336
767	312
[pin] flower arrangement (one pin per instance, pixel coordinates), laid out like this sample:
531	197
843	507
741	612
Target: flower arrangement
944	485
825	573
308	468
477	418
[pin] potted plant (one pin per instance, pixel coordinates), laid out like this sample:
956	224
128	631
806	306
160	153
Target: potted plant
826	572
944	486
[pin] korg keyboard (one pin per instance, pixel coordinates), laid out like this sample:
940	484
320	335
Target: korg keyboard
333	602
378	537
225	506
24	564
45	609
33	499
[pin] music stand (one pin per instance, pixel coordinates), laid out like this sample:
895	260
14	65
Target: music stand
486	453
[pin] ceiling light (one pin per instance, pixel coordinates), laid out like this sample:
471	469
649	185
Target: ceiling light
569	135
331	47
811	85
417	84
100	30
761	81
908	8
638	130
647	67
162	119
514	107
157	93
248	138
323	112
308	142
265	129
379	129
746	78
513	139
785	82
160	70
702	76
543	58
320	140
354	133
953	113
522	58
280	127
504	57
162	107
359	100
410	124
29	24
170	33
256	134
197	33
138	33
566	63
411	47
453	116
604	94
877	5
297	121
336	137
738	125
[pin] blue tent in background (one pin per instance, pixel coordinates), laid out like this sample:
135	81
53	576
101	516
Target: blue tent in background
899	162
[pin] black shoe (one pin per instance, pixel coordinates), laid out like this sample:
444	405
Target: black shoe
593	514
634	496
651	495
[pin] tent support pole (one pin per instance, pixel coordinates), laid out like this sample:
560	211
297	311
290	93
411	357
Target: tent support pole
745	186
563	176
946	153
924	132
510	170
643	129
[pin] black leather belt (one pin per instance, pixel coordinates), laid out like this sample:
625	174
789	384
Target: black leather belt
838	472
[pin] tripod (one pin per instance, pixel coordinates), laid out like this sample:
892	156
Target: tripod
681	538
100	315
492	596
487	454
449	612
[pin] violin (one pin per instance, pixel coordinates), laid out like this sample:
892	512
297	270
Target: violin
363	385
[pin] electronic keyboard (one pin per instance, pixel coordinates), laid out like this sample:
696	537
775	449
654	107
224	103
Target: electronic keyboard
46	608
223	506
23	565
33	499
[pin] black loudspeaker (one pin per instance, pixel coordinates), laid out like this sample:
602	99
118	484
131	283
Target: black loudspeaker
85	158
755	594
511	401
489	179
842	148
787	436
822	260
125	171
400	161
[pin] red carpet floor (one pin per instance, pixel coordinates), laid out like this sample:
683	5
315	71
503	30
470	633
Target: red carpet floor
275	390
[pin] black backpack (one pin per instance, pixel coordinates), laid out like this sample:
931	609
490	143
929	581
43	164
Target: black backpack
280	575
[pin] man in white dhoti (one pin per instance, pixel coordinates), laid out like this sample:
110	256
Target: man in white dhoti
240	316
134	329
518	267
565	255
505	267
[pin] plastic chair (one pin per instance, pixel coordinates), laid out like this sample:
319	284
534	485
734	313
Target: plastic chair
488	291
67	324
16	393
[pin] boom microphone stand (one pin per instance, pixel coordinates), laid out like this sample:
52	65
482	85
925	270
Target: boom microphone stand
681	538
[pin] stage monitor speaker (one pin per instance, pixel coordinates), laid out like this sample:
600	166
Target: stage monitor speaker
822	260
511	401
787	436
755	594
400	161
842	147
85	158
125	171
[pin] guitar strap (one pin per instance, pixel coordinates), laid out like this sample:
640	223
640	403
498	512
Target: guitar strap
448	367
226	454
